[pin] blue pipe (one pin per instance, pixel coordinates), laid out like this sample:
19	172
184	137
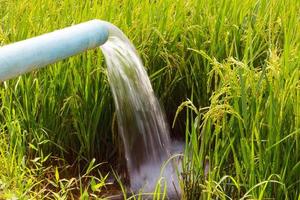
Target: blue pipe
24	56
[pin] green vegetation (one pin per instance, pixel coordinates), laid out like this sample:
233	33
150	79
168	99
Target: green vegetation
227	69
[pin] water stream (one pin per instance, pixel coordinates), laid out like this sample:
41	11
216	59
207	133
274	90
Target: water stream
141	121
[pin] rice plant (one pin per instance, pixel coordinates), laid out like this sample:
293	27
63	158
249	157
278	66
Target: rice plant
226	72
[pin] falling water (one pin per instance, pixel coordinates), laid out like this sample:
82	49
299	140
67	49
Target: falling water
141	121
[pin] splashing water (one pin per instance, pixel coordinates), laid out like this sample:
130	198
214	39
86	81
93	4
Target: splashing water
141	121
